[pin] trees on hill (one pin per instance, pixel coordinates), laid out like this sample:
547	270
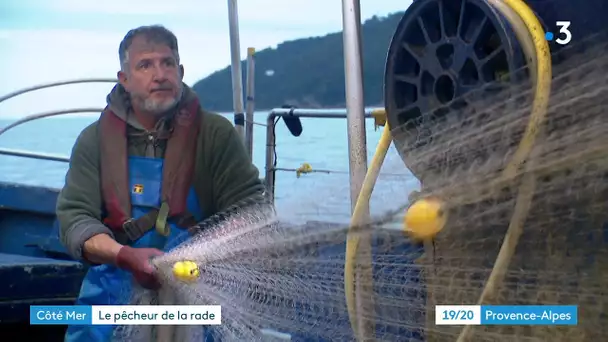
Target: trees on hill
307	72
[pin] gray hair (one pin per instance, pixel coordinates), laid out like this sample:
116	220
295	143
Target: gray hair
153	33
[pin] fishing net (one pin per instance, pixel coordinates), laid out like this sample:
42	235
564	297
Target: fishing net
546	219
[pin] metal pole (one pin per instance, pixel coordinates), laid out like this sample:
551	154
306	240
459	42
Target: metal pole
357	148
237	76
250	99
355	105
270	146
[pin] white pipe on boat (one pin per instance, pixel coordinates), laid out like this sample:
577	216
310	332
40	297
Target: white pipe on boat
357	156
250	101
355	105
237	76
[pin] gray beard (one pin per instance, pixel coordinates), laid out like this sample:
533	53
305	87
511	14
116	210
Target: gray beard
156	107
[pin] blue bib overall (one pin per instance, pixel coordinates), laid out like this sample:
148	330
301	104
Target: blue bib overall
108	285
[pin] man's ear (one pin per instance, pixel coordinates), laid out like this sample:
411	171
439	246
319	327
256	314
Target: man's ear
181	72
122	78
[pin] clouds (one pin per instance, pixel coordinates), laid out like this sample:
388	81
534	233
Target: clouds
267	13
47	41
131	7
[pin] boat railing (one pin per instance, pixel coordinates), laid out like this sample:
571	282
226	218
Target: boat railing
38	155
291	117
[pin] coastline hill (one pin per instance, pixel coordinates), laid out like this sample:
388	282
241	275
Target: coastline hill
306	72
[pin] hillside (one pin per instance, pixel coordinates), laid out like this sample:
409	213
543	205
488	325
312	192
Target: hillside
308	72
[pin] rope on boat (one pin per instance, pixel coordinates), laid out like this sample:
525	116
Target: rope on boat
306	168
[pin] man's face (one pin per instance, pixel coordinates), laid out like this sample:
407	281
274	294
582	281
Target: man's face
152	76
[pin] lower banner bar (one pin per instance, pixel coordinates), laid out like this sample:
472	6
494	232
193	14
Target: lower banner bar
529	315
61	314
506	315
127	315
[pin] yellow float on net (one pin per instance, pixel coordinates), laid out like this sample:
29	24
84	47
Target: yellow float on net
186	271
425	218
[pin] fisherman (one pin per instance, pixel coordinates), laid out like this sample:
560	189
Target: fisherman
153	157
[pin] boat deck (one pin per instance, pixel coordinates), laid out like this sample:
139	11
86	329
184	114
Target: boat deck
36	281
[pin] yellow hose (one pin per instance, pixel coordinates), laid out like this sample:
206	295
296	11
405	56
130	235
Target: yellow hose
359	214
543	83
524	198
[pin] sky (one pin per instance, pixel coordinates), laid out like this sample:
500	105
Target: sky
52	40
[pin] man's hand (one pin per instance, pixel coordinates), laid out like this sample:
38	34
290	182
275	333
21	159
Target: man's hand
137	262
103	249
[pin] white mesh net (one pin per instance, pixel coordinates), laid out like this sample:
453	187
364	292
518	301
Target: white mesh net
269	275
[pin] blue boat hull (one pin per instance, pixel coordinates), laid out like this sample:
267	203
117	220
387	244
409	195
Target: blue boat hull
34	266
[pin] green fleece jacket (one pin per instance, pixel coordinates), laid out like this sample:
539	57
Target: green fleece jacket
224	173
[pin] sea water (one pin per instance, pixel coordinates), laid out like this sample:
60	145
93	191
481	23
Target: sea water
316	196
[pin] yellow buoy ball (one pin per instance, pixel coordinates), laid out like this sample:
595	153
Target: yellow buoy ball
425	218
186	271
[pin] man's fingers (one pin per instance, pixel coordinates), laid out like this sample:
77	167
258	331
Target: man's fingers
158	252
149	269
155	252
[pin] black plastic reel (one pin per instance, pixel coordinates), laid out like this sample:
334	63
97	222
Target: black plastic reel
441	51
